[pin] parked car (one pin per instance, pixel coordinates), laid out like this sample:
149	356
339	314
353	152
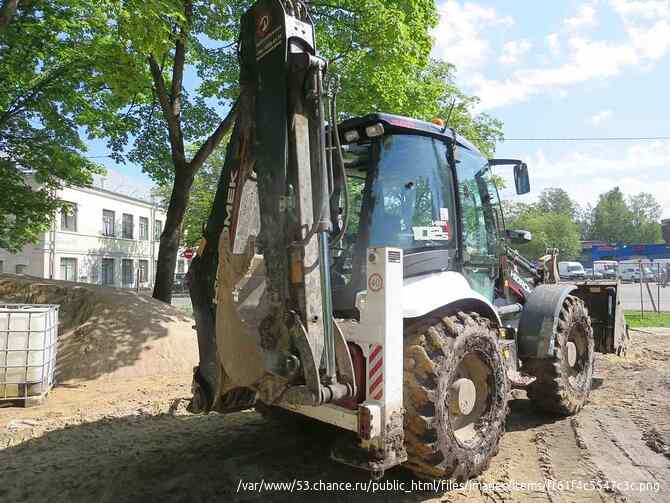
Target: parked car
571	270
591	274
179	285
608	268
632	271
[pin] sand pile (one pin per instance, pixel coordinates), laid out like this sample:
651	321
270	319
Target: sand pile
109	332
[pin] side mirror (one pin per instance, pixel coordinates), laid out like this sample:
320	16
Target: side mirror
521	180
518	237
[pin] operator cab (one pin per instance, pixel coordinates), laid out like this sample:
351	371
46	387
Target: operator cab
408	183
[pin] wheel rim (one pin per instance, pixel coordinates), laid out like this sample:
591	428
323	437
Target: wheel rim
576	354
473	375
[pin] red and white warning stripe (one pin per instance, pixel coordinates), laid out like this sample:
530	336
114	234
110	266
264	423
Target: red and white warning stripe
376	373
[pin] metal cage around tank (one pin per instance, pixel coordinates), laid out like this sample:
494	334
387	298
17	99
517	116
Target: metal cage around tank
28	339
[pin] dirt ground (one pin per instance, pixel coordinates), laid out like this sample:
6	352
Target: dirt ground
132	440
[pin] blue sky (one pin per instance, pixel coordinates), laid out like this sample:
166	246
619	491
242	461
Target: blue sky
570	69
563	69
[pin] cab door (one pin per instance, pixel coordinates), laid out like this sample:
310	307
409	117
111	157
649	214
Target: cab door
478	228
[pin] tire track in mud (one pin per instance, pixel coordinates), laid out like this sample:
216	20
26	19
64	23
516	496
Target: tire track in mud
623	460
571	473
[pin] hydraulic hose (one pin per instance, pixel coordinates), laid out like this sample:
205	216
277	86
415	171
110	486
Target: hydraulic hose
343	175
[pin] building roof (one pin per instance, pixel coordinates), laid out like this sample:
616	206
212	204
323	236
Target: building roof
114	183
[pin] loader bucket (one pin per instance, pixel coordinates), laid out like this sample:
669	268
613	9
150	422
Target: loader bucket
609	325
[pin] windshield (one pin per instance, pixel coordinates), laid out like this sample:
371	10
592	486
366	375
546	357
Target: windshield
575	268
400	195
412	204
478	204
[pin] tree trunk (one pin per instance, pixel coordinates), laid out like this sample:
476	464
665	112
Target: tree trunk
169	241
7	11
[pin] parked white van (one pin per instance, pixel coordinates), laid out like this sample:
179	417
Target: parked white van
571	270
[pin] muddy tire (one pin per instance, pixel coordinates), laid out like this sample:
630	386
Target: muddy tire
443	441
560	387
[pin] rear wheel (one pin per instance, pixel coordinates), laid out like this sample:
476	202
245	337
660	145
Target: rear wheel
563	383
455	396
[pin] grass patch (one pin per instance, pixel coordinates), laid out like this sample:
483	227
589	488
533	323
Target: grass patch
650	319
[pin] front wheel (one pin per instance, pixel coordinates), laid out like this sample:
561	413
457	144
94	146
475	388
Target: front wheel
563	382
455	396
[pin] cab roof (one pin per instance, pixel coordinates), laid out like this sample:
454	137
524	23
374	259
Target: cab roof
398	123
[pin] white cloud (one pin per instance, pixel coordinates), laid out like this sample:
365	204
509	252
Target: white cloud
553	43
513	50
601	117
647	41
461	38
648	9
585	174
458	36
585	17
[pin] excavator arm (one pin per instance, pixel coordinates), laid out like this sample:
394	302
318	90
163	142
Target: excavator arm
260	282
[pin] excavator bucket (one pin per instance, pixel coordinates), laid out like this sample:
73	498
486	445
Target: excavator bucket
609	324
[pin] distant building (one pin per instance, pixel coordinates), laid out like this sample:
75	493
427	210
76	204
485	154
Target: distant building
665	226
586	257
103	237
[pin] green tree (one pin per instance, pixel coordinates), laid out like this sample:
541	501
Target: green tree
612	218
646	215
549	230
62	74
201	199
555	200
379	49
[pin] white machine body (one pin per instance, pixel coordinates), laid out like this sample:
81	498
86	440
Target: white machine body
388	300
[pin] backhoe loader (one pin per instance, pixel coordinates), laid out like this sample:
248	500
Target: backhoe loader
359	273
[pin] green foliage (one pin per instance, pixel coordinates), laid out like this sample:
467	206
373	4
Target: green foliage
379	49
549	230
636	220
646	216
555	200
551	223
555	220
612	219
63	73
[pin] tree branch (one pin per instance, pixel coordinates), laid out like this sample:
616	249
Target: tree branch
215	138
7	11
180	60
174	128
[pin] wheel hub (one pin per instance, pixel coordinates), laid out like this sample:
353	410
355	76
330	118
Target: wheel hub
572	353
463	396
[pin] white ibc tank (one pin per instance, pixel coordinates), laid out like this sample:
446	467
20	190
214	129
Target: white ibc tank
28	335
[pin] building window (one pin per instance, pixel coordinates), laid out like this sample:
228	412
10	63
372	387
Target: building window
144	228
108	223
68	217
181	266
127	230
21	268
158	230
94	273
107	271
144	270
127	272
68	269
